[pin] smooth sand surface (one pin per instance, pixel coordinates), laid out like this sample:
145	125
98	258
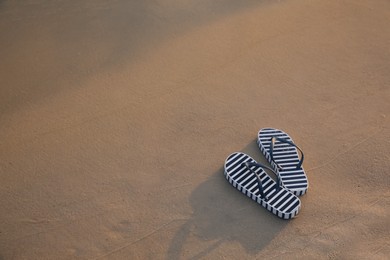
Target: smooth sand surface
117	116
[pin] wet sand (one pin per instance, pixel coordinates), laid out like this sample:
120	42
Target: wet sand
116	118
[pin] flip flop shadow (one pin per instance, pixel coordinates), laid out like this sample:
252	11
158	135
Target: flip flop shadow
223	214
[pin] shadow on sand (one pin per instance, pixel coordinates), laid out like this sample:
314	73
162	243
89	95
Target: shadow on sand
222	214
87	38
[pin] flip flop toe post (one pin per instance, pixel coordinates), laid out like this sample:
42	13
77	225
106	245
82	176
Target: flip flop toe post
249	177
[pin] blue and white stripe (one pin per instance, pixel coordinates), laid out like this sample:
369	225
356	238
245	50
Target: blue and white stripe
285	156
282	203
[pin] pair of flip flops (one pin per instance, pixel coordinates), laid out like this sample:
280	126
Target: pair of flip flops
281	196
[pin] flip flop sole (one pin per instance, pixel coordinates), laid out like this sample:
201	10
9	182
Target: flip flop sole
285	156
282	203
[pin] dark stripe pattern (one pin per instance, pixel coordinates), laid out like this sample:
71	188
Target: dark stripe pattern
282	203
285	156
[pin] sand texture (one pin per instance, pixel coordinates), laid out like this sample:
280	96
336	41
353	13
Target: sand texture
116	118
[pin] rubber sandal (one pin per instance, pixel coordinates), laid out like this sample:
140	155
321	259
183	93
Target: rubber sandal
249	177
281	152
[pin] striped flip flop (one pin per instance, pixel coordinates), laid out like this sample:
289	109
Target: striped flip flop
281	152
250	178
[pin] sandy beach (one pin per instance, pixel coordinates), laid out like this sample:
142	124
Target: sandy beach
116	118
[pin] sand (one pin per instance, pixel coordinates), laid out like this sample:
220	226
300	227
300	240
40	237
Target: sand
117	116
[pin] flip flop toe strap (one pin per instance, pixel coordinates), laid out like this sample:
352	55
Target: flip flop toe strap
248	165
271	149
